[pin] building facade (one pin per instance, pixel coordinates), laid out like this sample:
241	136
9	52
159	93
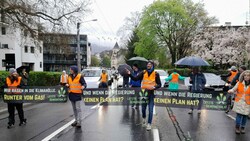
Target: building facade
18	49
60	51
117	57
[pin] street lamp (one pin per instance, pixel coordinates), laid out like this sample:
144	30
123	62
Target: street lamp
78	44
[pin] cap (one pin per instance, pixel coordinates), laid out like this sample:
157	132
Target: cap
243	67
12	70
233	68
74	68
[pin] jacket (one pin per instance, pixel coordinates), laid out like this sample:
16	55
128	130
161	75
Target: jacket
198	82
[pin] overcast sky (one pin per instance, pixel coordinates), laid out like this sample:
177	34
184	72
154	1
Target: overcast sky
111	15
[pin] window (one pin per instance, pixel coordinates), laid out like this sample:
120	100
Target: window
41	64
32	49
40	49
26	49
5	46
3	31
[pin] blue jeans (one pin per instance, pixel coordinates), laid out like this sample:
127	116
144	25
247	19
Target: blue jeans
150	108
241	120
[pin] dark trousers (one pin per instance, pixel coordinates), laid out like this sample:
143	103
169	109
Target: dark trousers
136	96
11	110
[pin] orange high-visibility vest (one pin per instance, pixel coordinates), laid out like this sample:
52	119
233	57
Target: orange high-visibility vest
14	84
64	78
233	74
74	85
148	82
104	77
175	78
241	92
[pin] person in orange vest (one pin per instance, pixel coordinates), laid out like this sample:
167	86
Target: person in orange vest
232	73
242	101
233	83
63	78
76	84
150	80
14	81
103	79
174	80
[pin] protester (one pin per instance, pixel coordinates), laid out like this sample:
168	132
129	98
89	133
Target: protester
63	78
242	101
125	83
232	73
150	81
198	81
135	84
234	81
174	80
14	81
76	84
25	77
103	79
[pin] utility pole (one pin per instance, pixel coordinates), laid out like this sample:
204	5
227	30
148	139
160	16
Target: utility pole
78	45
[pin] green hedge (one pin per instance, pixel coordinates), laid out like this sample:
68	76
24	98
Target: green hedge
37	78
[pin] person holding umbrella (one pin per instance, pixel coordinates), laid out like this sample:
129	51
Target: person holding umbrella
150	81
198	81
135	84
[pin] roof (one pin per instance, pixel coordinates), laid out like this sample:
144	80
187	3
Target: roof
116	46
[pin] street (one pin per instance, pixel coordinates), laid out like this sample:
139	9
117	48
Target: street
113	123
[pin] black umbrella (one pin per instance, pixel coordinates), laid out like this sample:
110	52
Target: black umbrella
20	69
122	69
140	61
192	61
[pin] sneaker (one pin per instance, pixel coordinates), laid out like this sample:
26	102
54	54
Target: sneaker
242	130
10	125
78	125
190	112
23	122
237	130
226	111
148	127
199	111
144	122
74	124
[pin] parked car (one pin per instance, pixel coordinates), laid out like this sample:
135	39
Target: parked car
163	75
92	76
213	82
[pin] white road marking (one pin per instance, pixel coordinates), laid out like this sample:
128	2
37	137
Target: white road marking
230	116
58	131
48	138
156	135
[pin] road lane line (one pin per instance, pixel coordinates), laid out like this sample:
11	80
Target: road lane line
58	131
67	125
230	117
48	138
156	135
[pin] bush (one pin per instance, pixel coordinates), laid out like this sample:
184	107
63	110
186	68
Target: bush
37	78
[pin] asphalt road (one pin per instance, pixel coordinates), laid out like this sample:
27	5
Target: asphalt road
121	123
